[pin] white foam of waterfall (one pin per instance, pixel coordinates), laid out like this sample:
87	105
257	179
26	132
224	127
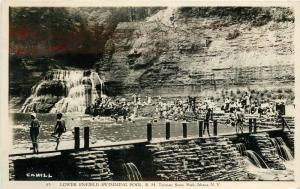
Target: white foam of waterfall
256	159
131	172
78	96
99	81
35	90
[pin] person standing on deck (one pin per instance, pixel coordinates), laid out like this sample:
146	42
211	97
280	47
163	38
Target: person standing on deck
59	129
282	103
239	122
210	105
34	132
209	114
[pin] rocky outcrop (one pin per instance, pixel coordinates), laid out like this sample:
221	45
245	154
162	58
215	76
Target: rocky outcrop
171	48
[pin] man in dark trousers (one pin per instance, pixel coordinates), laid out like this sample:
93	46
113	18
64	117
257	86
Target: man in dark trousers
34	132
209	115
239	122
59	129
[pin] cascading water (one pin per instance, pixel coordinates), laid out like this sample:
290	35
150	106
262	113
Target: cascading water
281	148
241	148
99	81
256	159
131	172
252	156
76	91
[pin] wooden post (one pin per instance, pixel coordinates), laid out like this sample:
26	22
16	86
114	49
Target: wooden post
149	131
215	127
200	125
250	125
76	138
255	126
168	130
86	137
184	129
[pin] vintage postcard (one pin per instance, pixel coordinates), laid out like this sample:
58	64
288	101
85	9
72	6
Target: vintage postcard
142	94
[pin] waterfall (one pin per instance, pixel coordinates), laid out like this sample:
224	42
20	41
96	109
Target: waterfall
281	149
100	81
131	172
253	157
241	148
67	90
256	159
35	89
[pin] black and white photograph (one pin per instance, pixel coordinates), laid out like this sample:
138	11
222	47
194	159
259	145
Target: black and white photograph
151	93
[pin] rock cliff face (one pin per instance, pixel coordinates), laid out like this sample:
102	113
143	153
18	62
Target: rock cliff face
172	48
43	39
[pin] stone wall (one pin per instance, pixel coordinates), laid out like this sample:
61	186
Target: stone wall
193	159
202	159
81	165
90	165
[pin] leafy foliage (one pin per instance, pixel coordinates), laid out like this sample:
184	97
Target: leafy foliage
256	15
49	31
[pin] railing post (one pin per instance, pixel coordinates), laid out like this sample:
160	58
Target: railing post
76	138
149	131
200	125
86	137
255	126
215	127
184	129
250	125
167	130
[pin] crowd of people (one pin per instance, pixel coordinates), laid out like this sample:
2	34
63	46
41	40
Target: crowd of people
181	108
171	109
250	105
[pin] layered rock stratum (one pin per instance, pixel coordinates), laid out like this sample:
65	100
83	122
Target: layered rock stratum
160	50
